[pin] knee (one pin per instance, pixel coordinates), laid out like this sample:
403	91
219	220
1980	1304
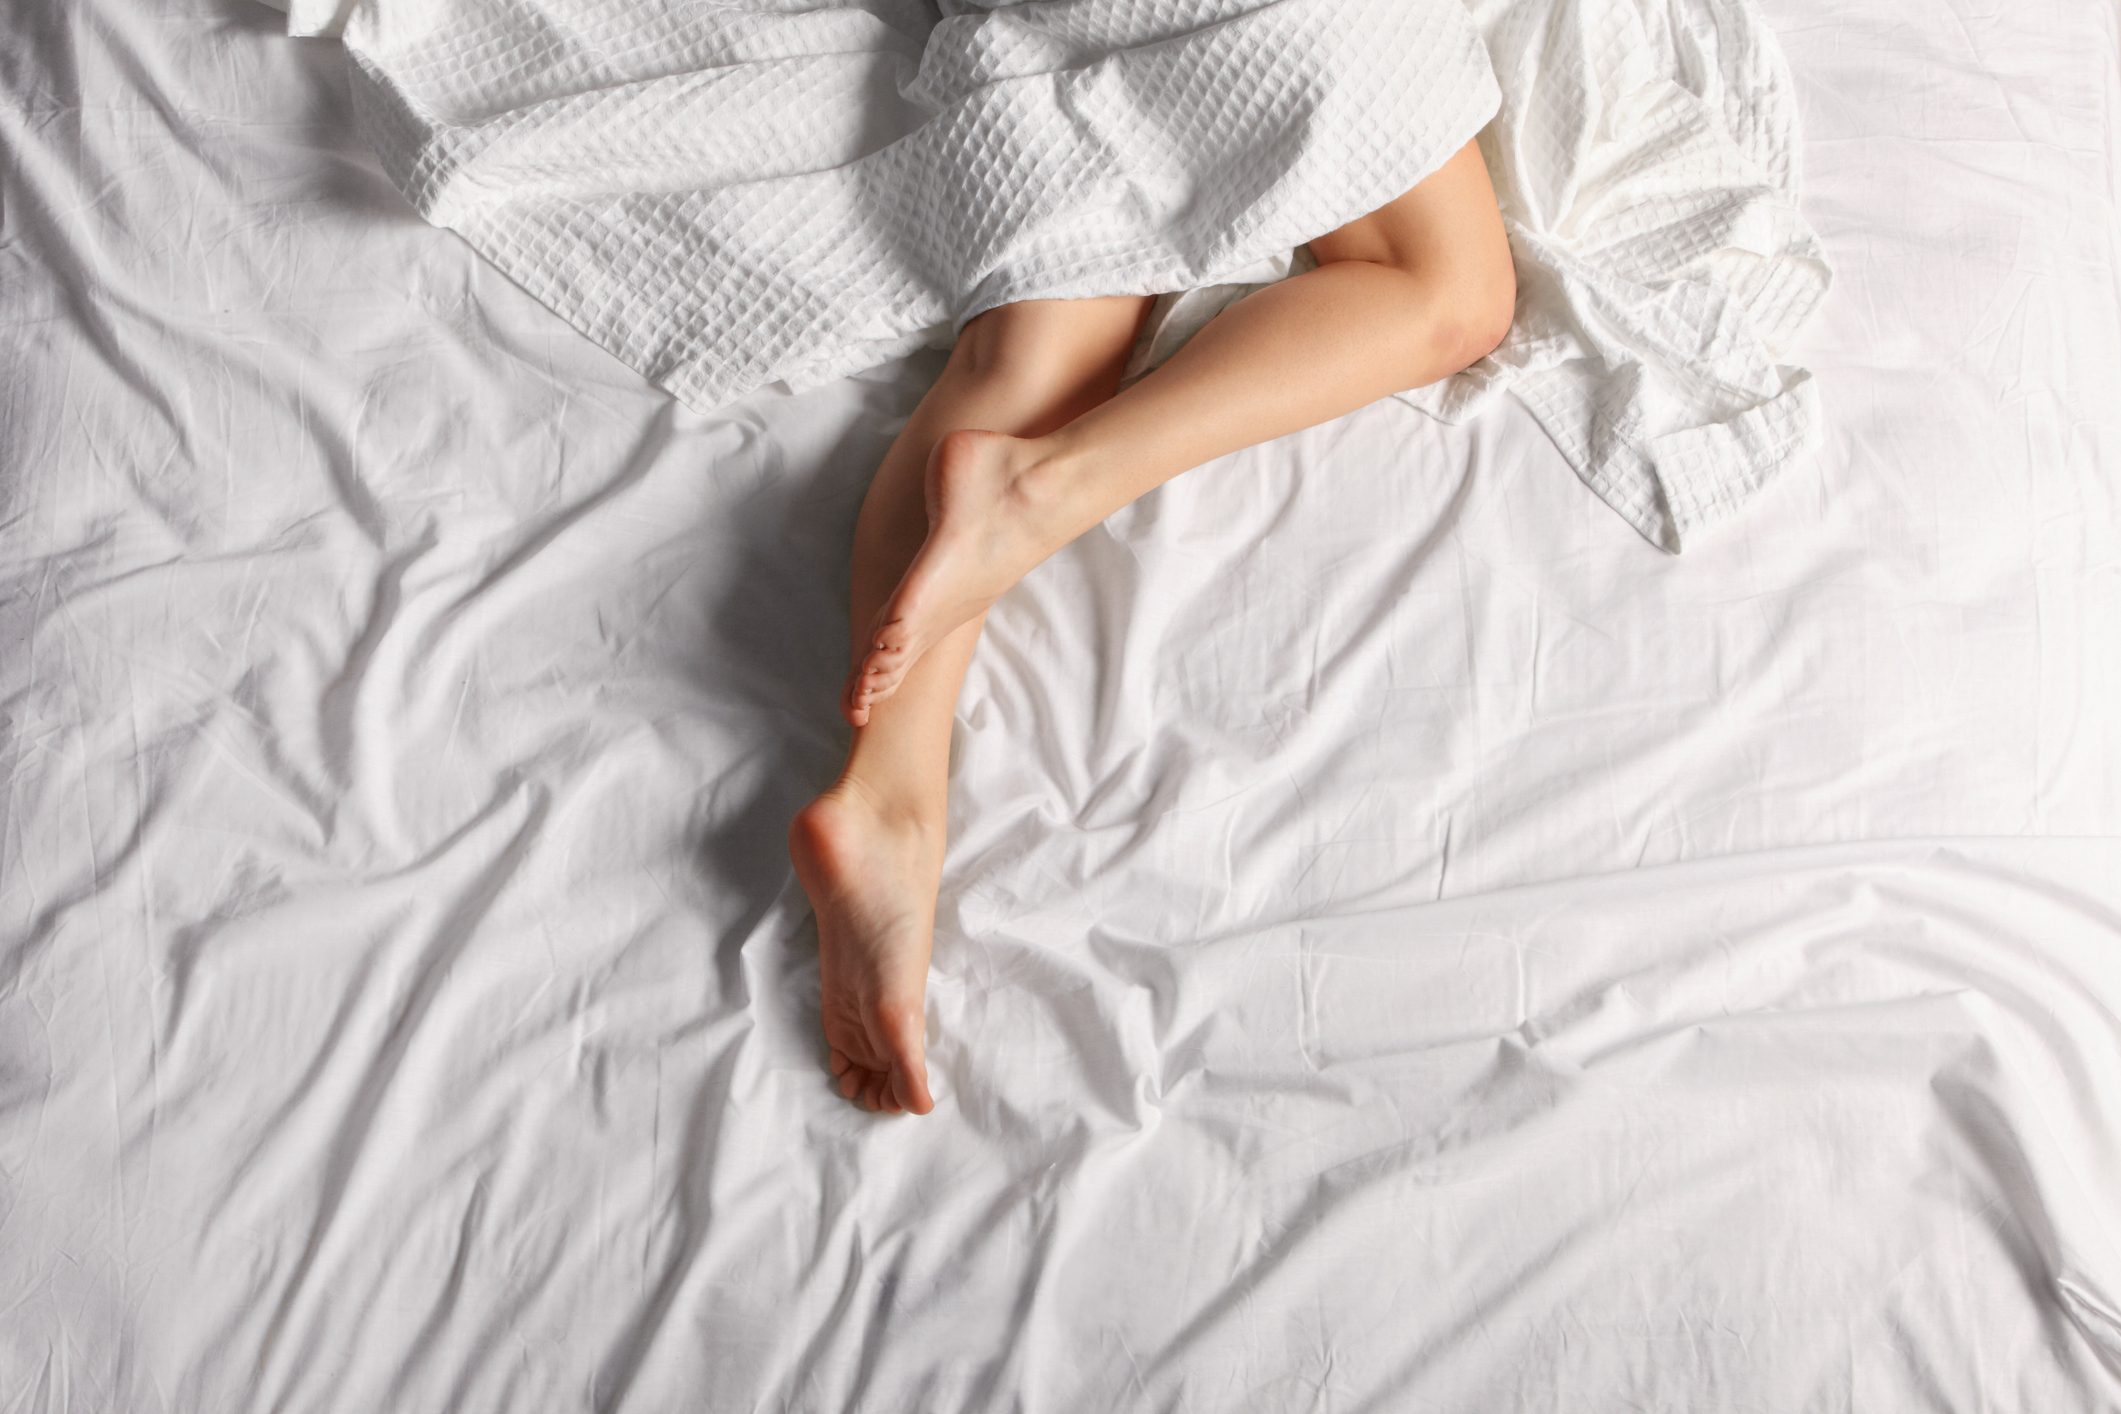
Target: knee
1010	346
1483	299
989	344
1464	303
1052	347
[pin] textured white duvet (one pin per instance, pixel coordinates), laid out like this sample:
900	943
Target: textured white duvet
724	195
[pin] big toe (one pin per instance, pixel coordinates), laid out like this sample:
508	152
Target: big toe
894	626
902	1028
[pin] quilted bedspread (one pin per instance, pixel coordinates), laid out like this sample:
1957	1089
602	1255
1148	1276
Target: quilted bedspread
729	195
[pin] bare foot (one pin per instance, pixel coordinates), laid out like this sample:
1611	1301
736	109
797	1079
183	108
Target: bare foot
871	875
987	527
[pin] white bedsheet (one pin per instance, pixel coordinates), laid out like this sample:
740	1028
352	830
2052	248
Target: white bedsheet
1407	943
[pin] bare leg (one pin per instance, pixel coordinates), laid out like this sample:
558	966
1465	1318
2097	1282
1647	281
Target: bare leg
1406	295
869	849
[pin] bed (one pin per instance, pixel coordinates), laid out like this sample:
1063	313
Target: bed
1407	942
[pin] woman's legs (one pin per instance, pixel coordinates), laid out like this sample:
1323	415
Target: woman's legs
1019	448
1402	297
869	850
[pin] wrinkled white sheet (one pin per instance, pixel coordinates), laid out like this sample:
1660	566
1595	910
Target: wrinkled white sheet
727	195
1407	942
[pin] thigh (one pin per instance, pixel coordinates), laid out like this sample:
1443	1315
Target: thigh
1449	220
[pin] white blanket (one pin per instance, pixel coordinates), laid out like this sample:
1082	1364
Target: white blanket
730	195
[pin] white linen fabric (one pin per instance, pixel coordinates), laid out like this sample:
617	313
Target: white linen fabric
776	190
1406	942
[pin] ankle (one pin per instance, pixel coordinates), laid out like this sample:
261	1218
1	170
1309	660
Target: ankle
894	808
1052	486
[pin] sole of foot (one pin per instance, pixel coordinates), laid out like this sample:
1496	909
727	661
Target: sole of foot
984	534
871	876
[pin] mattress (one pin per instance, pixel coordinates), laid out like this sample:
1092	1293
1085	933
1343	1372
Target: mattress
1407	942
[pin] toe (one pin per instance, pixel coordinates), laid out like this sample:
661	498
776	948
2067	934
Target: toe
909	1089
863	690
902	1026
